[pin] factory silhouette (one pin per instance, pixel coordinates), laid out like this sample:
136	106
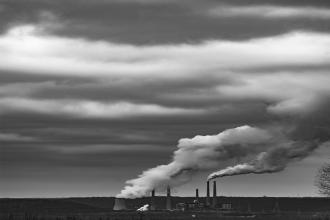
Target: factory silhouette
221	203
198	203
168	207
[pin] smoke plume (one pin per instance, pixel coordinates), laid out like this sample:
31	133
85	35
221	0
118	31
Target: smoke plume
274	160
199	153
307	130
293	137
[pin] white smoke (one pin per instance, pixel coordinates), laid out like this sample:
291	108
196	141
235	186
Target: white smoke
274	160
143	208
199	153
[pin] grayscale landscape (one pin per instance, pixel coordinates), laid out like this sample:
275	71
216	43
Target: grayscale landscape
164	109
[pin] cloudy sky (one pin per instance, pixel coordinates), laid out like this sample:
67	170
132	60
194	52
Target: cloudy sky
94	92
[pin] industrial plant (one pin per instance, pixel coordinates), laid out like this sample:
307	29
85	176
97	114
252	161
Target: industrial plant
211	206
198	203
221	205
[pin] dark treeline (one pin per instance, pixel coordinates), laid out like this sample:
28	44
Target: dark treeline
104	204
163	215
100	208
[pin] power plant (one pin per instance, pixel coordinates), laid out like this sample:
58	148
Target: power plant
209	206
197	203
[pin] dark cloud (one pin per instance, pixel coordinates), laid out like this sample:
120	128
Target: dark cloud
145	23
8	77
316	124
317	3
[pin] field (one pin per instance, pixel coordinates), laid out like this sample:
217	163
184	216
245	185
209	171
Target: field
101	209
163	215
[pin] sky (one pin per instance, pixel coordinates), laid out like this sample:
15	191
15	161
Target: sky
92	93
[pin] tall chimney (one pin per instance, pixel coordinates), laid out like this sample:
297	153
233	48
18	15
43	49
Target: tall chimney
276	207
153	200
168	199
119	204
197	194
208	203
214	203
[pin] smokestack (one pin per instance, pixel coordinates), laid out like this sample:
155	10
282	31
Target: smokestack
197	194
249	208
208	203
168	199
214	202
153	202
119	204
276	207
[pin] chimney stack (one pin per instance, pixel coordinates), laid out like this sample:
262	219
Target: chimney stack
168	199
119	204
276	207
197	194
153	202
214	204
208	203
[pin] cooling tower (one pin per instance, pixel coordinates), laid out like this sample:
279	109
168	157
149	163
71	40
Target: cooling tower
119	204
153	201
168	199
208	203
214	201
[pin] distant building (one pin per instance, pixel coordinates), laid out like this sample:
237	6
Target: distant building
195	205
226	206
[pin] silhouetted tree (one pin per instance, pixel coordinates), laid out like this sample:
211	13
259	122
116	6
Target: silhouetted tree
322	180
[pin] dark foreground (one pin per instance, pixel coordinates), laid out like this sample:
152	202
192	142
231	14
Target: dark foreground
101	209
166	215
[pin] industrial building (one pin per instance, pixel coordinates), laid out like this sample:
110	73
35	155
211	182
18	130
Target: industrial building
197	203
223	205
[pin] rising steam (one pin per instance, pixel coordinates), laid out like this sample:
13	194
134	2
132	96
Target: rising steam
199	153
274	160
310	130
272	148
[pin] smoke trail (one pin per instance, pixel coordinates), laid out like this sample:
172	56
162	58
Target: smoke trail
274	160
307	130
199	153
